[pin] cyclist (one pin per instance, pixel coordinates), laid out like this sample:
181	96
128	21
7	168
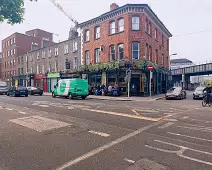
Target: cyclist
208	90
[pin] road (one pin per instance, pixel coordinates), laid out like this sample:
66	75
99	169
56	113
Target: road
40	133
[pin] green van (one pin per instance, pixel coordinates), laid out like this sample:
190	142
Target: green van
71	88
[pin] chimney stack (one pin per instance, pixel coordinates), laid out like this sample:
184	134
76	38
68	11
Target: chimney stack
113	6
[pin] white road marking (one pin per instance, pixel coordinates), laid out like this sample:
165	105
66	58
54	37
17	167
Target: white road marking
128	160
70	108
106	146
166	125
44	105
39	124
99	133
185	117
178	134
22	112
180	152
196	128
9	109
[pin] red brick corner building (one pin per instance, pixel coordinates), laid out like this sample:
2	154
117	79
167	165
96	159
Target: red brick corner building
132	32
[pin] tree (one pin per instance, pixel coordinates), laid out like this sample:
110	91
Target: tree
12	11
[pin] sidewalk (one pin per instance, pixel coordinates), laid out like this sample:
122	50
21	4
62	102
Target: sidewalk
142	99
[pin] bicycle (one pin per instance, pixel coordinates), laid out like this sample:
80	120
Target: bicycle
206	100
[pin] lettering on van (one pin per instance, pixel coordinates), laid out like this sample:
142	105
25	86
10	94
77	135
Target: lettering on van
62	87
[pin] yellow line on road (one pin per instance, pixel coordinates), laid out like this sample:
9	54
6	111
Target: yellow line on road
127	115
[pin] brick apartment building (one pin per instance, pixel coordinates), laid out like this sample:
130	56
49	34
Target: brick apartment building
129	33
18	44
46	65
0	64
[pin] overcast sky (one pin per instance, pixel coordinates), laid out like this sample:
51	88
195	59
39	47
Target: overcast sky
179	16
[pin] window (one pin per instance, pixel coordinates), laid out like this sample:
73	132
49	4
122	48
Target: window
75	46
136	50
14	51
3	55
18	60
147	51
135	23
56	66
19	71
13	62
112	53
150	28
38	56
75	63
87	35
97	54
22	59
11	41
31	57
156	33
121	51
121	25
31	69
38	71
87	55
50	52
162	40
43	68
162	59
8	53
11	52
14	40
14	72
8	43
66	49
22	70
56	51
2	45
50	66
112	27
167	44
97	32
147	26
43	54
150	53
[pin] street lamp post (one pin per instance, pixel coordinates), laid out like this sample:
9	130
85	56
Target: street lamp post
27	65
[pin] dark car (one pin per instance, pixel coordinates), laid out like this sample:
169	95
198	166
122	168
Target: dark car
198	93
176	93
17	91
35	90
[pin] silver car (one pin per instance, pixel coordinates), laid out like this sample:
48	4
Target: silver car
175	93
198	93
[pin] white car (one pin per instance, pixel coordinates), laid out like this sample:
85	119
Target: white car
198	93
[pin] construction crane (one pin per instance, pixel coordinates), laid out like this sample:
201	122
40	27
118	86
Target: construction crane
61	9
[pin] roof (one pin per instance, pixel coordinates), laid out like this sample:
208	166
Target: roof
181	60
146	6
37	29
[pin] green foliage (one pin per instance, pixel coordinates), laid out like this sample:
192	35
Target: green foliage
12	11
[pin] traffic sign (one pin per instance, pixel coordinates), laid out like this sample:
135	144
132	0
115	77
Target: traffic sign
150	68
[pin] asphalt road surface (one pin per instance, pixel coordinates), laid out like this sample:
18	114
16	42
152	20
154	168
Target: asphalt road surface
42	133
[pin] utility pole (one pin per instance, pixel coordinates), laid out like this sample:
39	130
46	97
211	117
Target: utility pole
128	78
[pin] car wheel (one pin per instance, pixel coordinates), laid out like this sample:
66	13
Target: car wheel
26	95
83	97
41	94
53	95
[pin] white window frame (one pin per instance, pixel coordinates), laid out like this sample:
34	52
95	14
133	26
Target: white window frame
112	27
97	55
75	63
50	52
66	49
97	32
111	54
56	66
43	53
75	44
43	68
11	52
11	41
156	34
87	35
56	52
136	23
121	25
120	52
14	40
14	51
50	68
87	56
38	56
136	50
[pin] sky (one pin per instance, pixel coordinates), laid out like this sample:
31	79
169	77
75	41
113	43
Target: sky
188	20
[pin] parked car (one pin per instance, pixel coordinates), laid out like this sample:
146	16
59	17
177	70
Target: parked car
175	93
17	91
3	87
35	90
198	93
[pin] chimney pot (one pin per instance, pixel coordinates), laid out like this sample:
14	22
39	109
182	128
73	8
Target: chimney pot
113	6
